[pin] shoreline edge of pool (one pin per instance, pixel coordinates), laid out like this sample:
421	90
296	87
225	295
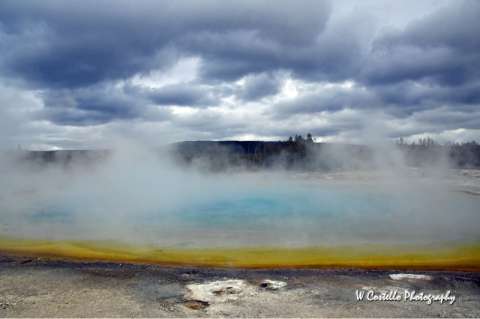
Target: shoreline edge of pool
458	256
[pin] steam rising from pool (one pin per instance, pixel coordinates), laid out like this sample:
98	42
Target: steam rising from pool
137	197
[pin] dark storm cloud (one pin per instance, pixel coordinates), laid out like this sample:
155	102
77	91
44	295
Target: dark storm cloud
82	43
180	95
335	52
327	99
95	105
58	47
400	99
441	119
77	108
82	56
259	86
411	96
53	44
443	47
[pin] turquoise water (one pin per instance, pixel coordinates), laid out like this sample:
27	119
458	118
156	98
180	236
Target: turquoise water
297	214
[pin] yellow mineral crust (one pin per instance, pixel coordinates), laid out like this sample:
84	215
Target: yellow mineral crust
450	257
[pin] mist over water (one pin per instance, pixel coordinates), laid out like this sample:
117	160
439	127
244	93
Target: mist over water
139	196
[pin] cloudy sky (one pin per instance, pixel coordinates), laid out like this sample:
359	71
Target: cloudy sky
77	74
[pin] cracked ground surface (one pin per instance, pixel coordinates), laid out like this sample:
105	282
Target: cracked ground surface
32	287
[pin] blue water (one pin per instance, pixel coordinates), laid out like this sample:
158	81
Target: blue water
300	214
302	203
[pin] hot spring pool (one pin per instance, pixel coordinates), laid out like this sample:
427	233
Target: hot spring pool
259	223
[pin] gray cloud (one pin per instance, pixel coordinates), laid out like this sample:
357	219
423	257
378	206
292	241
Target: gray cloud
259	86
329	99
95	105
57	44
79	60
442	47
188	94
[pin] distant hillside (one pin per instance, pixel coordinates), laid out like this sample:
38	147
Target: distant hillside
258	154
64	158
300	155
